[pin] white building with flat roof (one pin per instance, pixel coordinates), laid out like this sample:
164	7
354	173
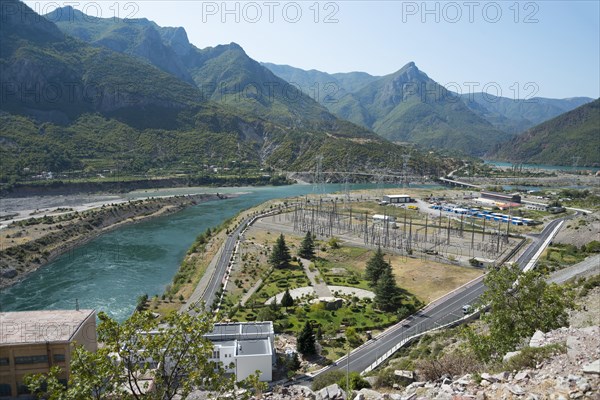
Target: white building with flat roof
244	348
396	198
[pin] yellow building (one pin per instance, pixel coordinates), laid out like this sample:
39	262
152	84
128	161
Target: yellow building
33	341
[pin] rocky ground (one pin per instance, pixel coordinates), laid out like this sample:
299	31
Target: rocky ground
580	230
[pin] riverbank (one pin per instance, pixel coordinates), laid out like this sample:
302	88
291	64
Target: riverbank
32	243
59	187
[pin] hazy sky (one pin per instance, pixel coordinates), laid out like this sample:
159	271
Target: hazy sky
509	48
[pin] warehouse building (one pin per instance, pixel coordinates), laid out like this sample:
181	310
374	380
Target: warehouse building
31	342
396	198
506	198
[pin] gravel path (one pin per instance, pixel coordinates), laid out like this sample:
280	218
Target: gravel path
352	291
319	286
588	267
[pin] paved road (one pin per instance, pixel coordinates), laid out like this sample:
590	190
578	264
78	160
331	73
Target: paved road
441	312
216	280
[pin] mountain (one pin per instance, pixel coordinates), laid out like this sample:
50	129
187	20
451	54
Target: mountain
518	115
68	106
53	77
397	107
573	134
136	37
408	106
321	86
224	74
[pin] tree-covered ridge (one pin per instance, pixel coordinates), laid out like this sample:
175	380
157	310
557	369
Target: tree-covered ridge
575	134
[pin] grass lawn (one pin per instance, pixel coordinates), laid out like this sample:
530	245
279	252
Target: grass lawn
428	280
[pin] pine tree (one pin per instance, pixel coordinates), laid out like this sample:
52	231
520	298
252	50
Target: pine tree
280	256
293	363
307	247
306	343
387	294
287	300
375	267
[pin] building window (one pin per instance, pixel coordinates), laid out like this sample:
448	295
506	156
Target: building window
4	361
23	389
58	358
216	354
31	359
5	389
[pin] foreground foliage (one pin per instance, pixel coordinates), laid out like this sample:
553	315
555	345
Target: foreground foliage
516	311
143	358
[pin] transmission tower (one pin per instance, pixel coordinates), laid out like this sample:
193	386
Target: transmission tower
318	181
405	158
576	161
346	183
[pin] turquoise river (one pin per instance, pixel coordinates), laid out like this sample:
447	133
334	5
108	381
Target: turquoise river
111	271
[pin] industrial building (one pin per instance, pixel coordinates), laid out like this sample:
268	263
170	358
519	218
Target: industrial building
31	342
507	198
396	198
244	348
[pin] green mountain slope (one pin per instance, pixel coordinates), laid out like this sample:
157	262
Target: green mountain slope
515	116
136	37
321	86
408	106
573	134
414	108
224	74
80	110
54	77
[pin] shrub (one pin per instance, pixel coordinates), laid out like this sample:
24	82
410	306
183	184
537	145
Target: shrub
386	378
529	357
456	363
355	381
328	378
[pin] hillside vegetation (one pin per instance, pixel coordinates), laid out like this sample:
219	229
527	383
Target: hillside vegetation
572	134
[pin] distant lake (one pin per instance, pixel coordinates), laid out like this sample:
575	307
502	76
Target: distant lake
542	166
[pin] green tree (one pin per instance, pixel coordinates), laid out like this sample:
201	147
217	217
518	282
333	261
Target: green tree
353	338
517	310
306	343
293	363
177	348
375	267
280	255
387	293
307	247
355	380
287	299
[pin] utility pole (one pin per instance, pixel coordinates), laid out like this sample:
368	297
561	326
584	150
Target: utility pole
318	184
348	369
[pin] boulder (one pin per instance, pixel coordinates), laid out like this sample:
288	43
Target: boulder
9	273
368	394
510	355
537	340
331	392
592	368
